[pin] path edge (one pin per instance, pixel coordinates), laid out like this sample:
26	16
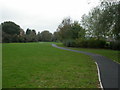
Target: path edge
101	86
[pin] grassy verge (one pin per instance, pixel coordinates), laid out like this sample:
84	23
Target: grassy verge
111	54
39	65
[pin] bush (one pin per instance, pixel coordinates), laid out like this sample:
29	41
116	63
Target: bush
115	45
96	43
81	43
90	43
69	43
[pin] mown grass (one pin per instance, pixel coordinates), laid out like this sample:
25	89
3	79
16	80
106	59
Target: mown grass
39	65
111	54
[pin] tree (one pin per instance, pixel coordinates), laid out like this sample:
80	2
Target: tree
102	21
91	23
39	36
28	31
28	37
64	29
109	18
10	32
31	35
77	30
68	30
46	36
56	37
10	28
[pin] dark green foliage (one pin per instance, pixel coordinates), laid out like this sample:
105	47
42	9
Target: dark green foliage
21	39
85	43
115	45
69	31
73	35
96	43
46	36
81	43
6	37
55	37
10	32
10	28
103	24
69	43
28	31
39	36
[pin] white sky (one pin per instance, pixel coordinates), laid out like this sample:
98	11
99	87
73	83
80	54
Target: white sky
43	14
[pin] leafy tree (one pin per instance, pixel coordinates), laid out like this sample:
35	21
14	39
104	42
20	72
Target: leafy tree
6	37
77	30
28	31
10	32
109	18
39	36
31	35
10	28
102	21
56	37
92	25
69	31
46	36
64	29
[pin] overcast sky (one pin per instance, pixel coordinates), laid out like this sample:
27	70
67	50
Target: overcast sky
43	14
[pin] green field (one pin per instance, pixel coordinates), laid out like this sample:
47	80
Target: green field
39	65
111	54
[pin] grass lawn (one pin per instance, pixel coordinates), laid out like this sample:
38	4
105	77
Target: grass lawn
39	65
111	54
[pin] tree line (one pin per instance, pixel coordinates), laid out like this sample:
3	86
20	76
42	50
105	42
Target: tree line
100	28
12	32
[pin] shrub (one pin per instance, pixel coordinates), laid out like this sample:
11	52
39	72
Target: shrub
86	43
91	43
115	45
69	43
96	43
81	42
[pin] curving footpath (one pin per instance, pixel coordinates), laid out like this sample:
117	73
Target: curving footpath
109	71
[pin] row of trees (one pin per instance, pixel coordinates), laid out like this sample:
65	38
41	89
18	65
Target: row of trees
72	34
99	28
12	32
